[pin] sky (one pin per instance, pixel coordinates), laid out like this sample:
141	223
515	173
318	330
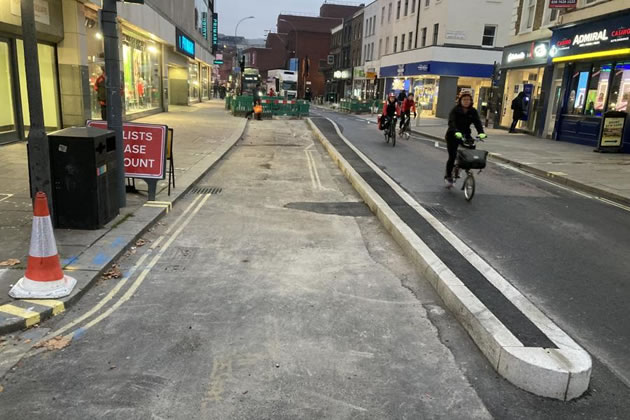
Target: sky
265	12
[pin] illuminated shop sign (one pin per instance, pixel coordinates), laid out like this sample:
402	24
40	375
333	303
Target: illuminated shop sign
215	32
530	53
204	25
184	44
597	36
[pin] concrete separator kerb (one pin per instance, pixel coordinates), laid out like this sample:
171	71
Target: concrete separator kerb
107	249
553	177
562	373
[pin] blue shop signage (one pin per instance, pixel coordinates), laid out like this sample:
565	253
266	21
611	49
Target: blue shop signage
600	35
438	68
184	44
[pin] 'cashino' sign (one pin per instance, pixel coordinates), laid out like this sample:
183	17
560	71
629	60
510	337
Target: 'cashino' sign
601	35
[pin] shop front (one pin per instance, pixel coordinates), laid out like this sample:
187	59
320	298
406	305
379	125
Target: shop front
358	83
142	71
435	85
523	67
594	60
14	107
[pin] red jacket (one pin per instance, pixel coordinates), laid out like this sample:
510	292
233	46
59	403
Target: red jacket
390	114
408	105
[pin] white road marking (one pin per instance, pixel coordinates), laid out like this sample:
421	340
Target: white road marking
125	279
6	196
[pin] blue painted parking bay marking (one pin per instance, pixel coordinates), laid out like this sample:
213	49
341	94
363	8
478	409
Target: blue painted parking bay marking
513	319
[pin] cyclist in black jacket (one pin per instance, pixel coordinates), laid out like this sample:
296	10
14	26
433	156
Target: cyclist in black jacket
459	121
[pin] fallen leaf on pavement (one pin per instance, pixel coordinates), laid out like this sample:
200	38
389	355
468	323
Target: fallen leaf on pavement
55	343
113	273
1	388
141	242
10	262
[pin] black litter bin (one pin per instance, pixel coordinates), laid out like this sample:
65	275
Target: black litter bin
84	173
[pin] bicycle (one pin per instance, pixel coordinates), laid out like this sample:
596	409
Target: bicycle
405	130
390	132
469	159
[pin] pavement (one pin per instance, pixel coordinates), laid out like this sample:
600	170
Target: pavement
270	292
574	165
560	248
202	134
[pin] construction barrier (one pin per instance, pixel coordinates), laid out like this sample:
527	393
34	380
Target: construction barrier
272	106
355	106
44	278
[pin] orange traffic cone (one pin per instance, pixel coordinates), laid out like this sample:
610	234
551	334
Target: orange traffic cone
44	278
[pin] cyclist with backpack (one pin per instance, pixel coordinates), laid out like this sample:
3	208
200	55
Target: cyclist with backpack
390	110
459	121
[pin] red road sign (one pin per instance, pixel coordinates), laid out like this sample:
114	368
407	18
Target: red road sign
145	148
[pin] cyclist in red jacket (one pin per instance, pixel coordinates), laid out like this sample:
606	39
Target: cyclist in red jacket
390	109
408	105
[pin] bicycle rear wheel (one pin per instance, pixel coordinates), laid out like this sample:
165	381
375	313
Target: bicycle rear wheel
469	187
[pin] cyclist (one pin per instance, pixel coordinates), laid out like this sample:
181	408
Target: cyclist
408	105
459	121
390	109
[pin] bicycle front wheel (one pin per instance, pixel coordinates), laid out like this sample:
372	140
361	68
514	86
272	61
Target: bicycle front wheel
469	187
394	138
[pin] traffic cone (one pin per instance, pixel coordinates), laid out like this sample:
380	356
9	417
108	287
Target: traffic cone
44	278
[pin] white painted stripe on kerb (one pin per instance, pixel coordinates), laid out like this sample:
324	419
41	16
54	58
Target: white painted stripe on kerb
42	238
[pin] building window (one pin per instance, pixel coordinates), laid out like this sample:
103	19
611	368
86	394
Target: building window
395	44
387	45
620	92
389	13
426	3
489	35
529	13
383	16
380	48
406	7
424	37
398	10
402	42
410	39
436	31
413	6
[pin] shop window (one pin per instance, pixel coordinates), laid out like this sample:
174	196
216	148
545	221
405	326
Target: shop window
48	78
205	82
598	90
7	120
193	81
620	89
141	68
577	93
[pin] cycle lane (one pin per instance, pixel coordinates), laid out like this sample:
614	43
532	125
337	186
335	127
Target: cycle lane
562	250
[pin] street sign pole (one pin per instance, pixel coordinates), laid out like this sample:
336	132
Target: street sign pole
38	152
114	102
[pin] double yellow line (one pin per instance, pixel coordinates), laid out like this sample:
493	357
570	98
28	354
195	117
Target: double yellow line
181	222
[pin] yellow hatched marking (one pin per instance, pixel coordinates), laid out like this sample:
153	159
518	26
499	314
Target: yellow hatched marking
31	317
56	305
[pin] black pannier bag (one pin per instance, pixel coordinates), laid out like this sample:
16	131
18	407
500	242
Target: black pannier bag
472	159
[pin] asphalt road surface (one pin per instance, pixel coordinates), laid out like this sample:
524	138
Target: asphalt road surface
566	252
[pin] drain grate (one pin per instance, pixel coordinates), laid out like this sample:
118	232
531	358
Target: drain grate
437	210
206	190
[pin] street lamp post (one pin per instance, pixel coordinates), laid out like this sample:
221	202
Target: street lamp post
237	52
296	54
